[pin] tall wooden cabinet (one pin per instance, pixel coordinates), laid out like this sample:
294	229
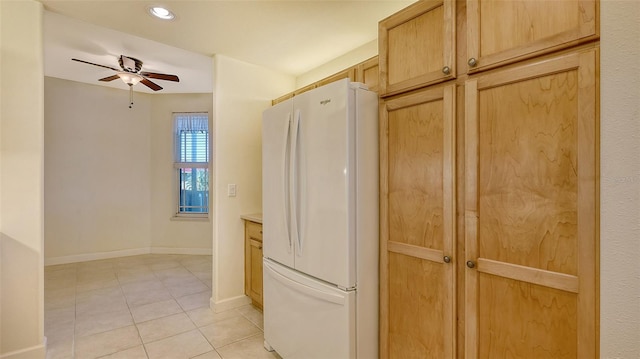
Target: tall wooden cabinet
418	235
489	181
531	210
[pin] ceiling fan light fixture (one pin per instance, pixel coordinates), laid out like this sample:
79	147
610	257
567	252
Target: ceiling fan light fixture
129	78
161	13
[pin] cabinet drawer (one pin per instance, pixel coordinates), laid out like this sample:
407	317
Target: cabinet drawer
254	231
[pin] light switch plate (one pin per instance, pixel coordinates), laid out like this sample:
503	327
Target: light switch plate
231	190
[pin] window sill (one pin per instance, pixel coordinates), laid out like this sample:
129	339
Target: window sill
188	218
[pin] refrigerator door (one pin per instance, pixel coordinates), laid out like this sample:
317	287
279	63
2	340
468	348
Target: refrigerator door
324	184
276	138
305	318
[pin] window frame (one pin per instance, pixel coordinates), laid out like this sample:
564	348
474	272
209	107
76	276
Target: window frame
178	166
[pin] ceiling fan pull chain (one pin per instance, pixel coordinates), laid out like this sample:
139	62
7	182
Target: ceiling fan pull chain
130	96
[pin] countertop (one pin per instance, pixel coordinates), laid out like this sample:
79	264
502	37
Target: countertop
253	217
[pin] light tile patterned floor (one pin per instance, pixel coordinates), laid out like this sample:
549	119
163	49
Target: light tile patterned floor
149	307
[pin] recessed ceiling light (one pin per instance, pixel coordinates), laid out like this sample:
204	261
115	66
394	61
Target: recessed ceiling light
161	13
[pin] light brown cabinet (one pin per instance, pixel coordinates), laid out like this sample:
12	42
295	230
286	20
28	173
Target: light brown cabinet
349	73
489	185
367	73
501	32
417	46
531	210
418	287
253	262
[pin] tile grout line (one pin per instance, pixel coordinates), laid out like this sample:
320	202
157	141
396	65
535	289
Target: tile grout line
130	313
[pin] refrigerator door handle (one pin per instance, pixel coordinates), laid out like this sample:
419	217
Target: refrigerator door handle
285	183
293	172
305	289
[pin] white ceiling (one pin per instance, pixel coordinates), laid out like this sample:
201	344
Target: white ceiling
292	37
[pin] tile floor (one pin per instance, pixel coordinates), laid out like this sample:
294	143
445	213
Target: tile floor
149	306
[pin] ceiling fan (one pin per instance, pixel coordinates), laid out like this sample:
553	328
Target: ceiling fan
131	74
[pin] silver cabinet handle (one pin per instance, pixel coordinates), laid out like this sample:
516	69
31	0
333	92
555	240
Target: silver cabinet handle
471	264
472	62
446	70
447	259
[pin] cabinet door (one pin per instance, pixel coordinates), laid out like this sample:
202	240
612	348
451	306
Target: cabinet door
531	210
417	46
256	272
367	73
417	225
501	32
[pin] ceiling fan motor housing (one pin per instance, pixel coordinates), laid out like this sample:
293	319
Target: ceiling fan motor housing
130	64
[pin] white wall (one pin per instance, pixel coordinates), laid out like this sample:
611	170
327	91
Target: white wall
21	180
347	60
97	170
168	234
620	179
109	187
242	92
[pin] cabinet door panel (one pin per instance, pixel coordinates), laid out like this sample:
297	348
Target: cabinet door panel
417	171
416	288
416	45
531	210
367	73
500	32
256	272
516	313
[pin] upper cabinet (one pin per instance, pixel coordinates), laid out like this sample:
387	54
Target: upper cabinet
349	73
367	73
417	46
502	32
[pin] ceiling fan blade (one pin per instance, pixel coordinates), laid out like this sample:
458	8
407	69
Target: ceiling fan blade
155	75
109	78
150	84
91	63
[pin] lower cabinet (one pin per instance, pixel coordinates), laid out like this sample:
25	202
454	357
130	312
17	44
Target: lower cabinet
253	262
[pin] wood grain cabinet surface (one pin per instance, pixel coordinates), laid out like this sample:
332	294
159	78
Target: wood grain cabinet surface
367	73
253	262
417	209
502	32
417	46
489	180
531	210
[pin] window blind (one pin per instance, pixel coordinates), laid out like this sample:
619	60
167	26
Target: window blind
192	137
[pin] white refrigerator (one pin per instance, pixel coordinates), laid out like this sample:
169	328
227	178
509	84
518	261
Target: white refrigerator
320	223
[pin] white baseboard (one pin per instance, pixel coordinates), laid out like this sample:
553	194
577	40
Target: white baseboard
230	303
192	251
95	256
37	351
124	253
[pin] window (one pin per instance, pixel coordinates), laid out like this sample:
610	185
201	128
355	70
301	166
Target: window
191	138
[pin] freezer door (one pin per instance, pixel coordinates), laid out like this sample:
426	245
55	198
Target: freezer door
276	133
324	184
305	318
